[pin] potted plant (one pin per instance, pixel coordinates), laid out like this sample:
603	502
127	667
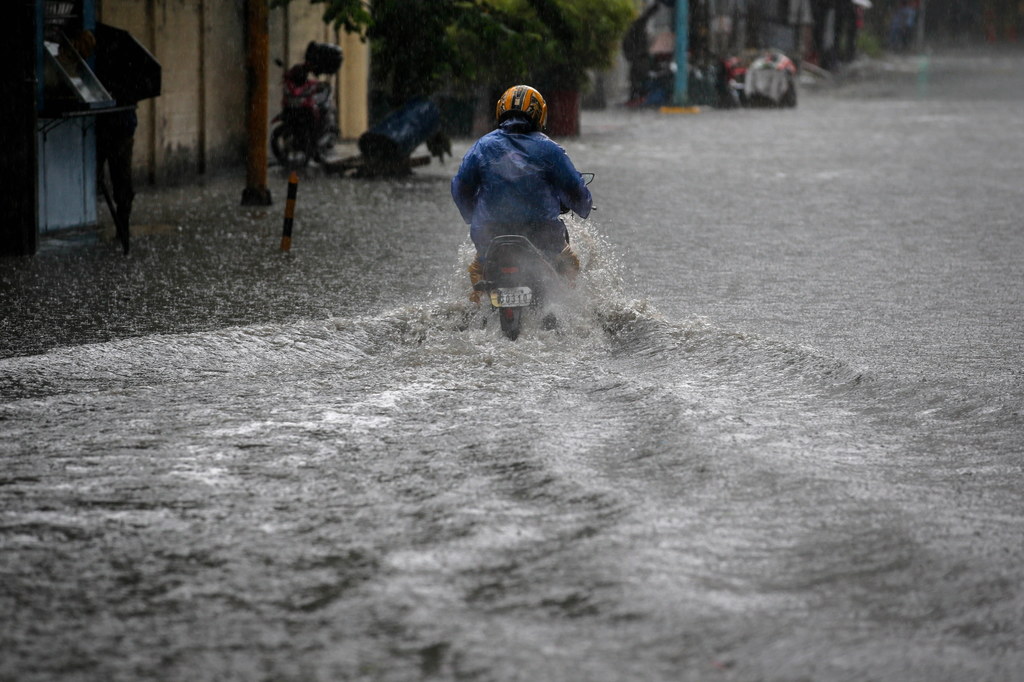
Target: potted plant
587	39
549	44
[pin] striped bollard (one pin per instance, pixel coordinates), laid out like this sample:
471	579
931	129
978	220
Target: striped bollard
289	211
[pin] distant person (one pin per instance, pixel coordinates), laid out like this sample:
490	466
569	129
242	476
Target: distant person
801	18
822	40
728	26
636	48
901	29
516	180
115	141
846	30
965	18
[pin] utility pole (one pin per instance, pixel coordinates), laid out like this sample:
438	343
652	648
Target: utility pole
257	56
19	174
680	95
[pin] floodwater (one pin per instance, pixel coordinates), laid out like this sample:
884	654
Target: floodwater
777	435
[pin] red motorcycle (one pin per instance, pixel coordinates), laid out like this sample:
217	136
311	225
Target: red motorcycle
307	126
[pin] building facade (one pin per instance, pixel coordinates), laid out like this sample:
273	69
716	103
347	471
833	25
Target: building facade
196	125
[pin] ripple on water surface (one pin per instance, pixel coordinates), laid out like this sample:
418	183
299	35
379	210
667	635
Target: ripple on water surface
392	494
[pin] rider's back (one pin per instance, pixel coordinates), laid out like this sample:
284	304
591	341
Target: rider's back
513	174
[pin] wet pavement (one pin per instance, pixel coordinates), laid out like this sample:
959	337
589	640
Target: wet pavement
776	436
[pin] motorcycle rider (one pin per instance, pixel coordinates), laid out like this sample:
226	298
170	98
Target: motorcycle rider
516	180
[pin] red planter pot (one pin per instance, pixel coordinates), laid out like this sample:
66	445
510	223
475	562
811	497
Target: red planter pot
563	113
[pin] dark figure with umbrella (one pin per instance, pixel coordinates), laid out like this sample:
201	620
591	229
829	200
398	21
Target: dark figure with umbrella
130	74
115	141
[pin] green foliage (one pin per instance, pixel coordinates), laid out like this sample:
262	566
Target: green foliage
869	44
422	46
498	46
595	27
352	15
552	43
410	53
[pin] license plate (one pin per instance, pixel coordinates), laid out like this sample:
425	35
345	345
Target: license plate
511	297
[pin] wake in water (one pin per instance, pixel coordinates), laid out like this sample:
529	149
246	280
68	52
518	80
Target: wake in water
599	317
414	485
595	302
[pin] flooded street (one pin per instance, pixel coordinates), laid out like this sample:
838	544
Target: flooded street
777	434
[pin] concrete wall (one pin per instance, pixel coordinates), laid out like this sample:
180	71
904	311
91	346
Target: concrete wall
222	134
198	123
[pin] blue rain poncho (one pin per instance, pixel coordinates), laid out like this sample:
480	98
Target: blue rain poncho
518	176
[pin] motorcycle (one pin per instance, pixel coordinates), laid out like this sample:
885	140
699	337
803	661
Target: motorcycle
307	126
769	80
519	278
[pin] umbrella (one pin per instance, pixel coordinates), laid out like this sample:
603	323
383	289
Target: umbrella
124	66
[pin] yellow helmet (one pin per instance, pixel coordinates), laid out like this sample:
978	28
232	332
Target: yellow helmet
524	99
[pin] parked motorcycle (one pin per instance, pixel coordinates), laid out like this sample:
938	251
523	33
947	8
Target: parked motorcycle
767	80
307	126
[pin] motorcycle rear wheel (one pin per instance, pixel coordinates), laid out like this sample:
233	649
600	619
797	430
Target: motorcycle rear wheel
289	148
326	144
510	319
